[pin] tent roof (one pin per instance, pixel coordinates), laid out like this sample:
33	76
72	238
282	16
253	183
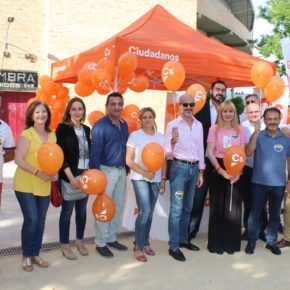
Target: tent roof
158	37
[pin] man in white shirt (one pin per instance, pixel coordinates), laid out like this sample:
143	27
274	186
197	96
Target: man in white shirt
7	148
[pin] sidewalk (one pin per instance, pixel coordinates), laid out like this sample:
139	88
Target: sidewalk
202	270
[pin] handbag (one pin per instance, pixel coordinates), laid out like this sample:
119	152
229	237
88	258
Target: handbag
55	196
69	193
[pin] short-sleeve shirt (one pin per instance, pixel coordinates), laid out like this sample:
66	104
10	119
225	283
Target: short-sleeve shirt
6	142
24	181
271	159
225	138
138	140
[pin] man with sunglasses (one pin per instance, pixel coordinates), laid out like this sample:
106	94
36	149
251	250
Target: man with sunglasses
207	116
183	142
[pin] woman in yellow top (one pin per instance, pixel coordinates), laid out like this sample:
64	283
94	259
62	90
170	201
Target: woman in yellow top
31	185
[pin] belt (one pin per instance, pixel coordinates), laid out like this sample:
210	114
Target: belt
192	163
118	167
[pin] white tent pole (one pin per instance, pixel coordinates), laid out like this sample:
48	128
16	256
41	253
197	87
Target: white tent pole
116	80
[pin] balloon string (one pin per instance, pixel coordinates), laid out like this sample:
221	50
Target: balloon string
231	198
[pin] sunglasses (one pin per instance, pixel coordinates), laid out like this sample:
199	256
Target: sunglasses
251	101
188	104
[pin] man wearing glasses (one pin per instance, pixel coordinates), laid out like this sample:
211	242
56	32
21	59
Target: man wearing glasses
184	143
207	116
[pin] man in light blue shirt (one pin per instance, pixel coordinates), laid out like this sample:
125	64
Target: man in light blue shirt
272	154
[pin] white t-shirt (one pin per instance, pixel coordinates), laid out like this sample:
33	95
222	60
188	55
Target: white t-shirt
83	148
138	140
6	142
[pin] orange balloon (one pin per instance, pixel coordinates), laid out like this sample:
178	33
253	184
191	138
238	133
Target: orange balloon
173	75
93	181
139	84
101	79
104	208
50	88
95	116
122	90
274	89
132	124
261	74
84	76
108	65
50	158
234	160
62	92
39	92
127	80
45	98
66	99
199	94
103	91
127	64
130	111
153	156
82	90
288	116
58	105
43	79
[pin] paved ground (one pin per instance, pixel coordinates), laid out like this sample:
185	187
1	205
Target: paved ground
202	270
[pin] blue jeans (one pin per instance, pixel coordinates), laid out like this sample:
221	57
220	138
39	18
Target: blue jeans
146	196
258	197
183	179
116	189
80	219
199	199
34	209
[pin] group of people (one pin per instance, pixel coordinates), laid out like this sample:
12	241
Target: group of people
194	148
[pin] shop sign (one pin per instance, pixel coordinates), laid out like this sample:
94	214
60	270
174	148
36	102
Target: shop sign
11	80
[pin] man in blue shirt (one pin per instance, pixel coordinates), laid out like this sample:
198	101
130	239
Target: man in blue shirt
272	154
108	151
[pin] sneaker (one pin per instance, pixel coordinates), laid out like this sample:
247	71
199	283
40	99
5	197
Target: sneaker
116	245
250	248
274	249
177	255
105	252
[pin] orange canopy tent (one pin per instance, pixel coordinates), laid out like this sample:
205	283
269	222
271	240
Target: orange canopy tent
158	37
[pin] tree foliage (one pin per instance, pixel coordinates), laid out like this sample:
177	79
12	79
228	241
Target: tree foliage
276	12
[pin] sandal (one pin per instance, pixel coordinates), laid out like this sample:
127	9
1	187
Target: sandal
37	260
81	248
149	251
139	255
26	264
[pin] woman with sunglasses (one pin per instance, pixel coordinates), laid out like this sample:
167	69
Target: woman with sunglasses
146	184
224	233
